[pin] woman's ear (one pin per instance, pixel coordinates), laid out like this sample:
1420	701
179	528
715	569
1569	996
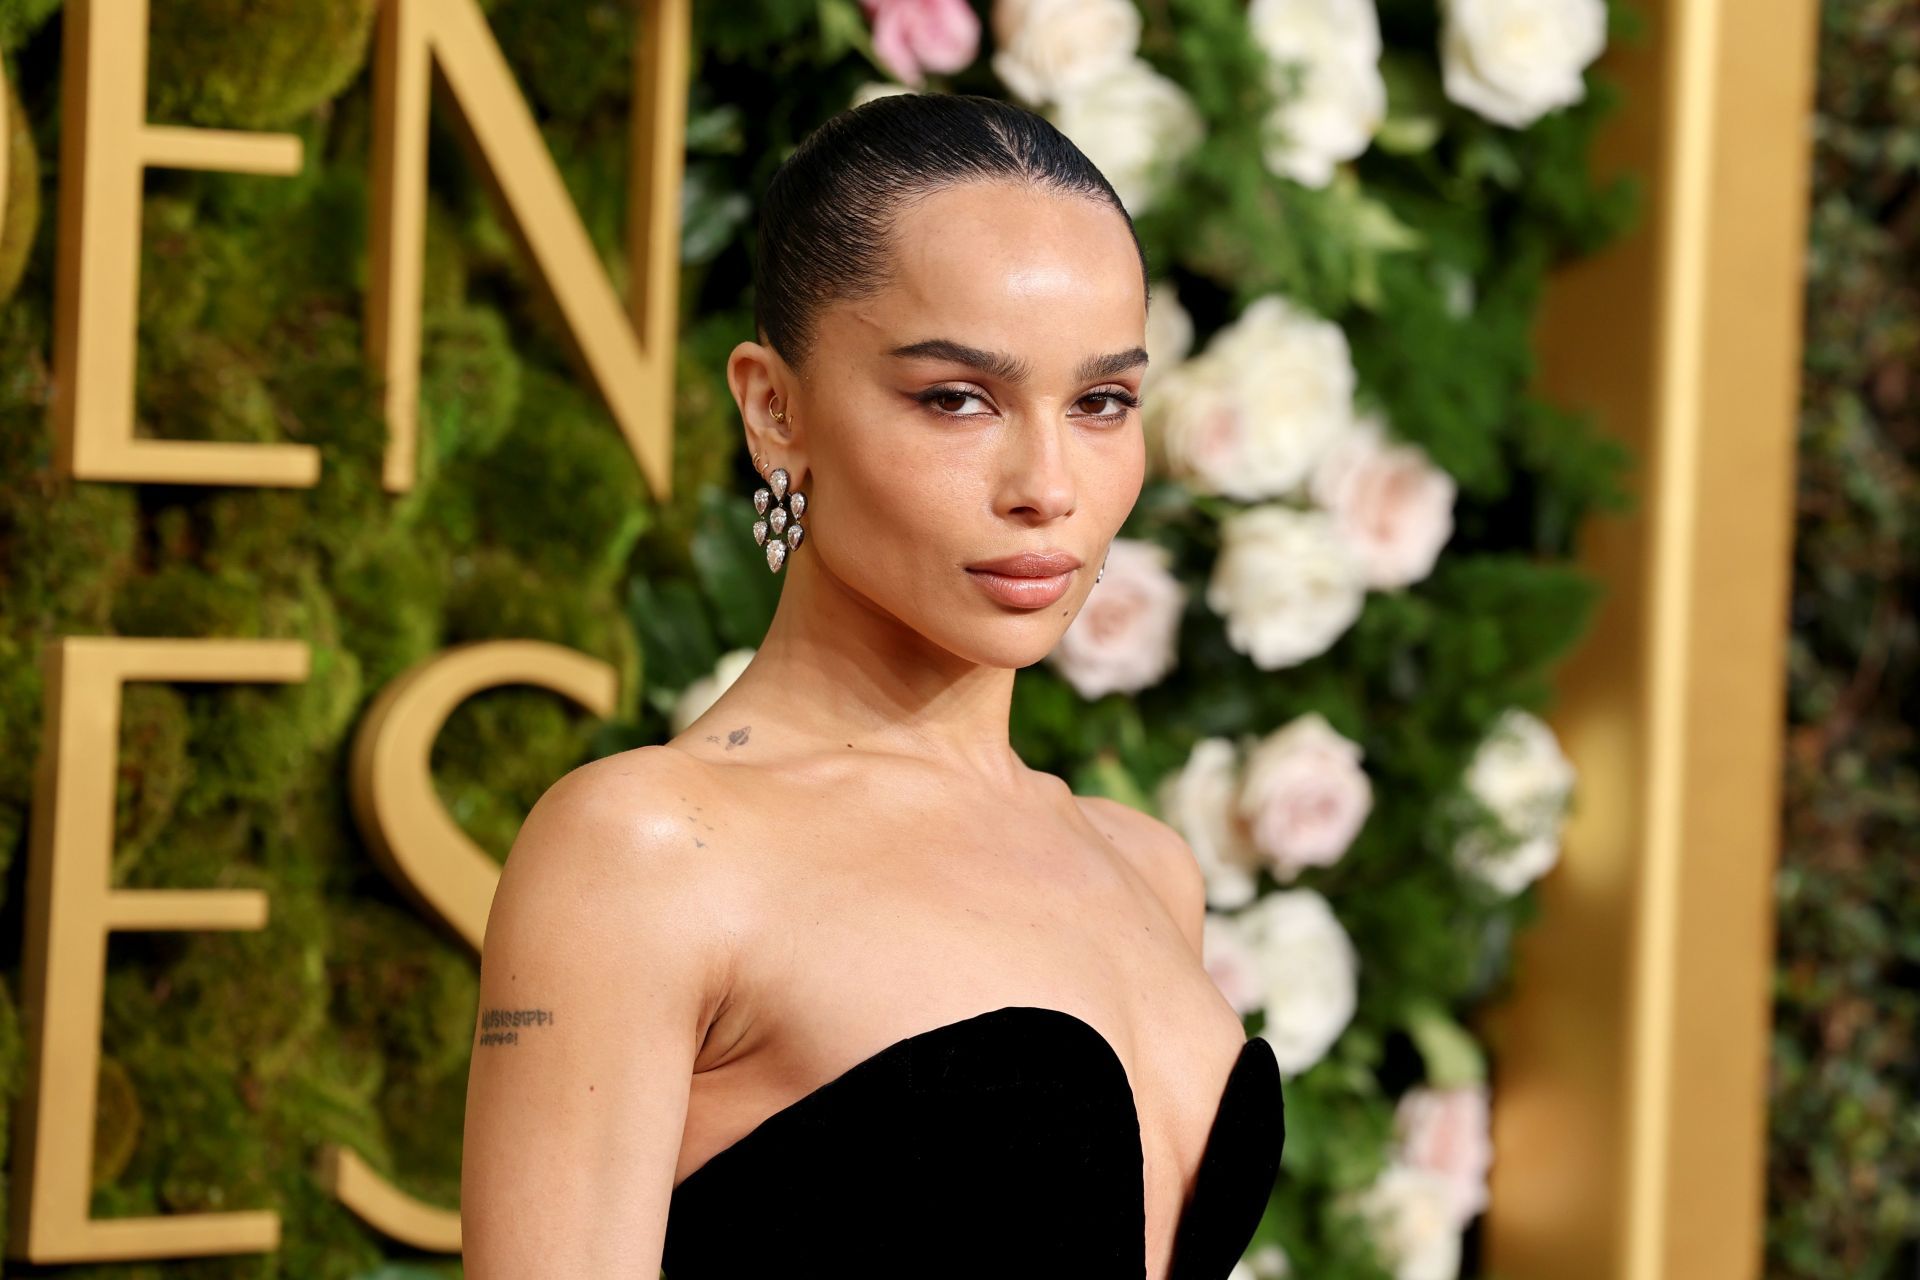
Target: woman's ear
761	385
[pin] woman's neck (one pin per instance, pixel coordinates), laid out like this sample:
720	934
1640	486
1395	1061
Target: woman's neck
843	673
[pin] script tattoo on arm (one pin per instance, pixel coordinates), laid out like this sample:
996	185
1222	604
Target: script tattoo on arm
503	1026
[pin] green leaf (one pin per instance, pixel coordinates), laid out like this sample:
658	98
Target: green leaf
713	214
1105	775
1452	1056
843	29
1407	135
1518	614
1370	229
1489	157
671	620
716	129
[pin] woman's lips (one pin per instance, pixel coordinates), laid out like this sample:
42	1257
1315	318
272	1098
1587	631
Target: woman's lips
1026	593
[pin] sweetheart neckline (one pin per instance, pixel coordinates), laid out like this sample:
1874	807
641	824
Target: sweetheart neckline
897	1046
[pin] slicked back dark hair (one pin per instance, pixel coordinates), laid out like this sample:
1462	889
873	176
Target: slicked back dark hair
824	225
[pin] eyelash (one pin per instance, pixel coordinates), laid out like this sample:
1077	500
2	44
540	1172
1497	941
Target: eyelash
1120	394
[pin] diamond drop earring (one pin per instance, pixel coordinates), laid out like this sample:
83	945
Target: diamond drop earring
778	528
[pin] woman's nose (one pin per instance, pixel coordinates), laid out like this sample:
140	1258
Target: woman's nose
1038	480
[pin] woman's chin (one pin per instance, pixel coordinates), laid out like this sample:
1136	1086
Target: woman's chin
1011	644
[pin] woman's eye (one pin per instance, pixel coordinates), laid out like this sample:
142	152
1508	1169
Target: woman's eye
952	401
949	400
1119	399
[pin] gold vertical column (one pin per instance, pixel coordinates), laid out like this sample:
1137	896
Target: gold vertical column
1630	1102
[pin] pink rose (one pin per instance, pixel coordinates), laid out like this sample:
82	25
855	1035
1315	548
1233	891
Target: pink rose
1305	795
1123	638
1197	800
912	37
1229	959
1446	1131
1388	500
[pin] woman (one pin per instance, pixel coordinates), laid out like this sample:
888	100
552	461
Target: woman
831	983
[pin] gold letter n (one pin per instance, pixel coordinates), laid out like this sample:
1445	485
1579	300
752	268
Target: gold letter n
630	361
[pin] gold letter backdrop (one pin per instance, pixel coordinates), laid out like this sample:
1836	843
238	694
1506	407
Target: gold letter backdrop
73	905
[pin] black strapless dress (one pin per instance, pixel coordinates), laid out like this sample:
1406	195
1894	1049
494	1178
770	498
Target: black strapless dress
1006	1144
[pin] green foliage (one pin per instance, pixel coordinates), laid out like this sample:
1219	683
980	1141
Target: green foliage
1844	1160
19	19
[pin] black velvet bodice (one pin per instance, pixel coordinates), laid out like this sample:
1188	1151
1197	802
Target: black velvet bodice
1006	1144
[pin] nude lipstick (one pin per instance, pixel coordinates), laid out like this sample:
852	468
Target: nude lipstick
1030	580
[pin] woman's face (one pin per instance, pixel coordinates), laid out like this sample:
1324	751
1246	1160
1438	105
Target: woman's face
979	408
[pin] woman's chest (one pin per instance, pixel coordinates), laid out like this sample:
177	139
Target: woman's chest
895	929
869	912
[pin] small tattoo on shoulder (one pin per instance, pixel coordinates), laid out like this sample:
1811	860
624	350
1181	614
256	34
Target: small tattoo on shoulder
503	1026
738	738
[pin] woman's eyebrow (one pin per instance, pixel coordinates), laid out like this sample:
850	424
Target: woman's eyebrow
998	364
1106	366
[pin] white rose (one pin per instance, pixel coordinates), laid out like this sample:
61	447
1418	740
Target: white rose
704	692
1233	965
1325	70
1304	795
1520	774
1287	584
1169	332
1046	49
1410	1214
1270	1262
1295	375
1515	60
1198	428
876	89
1389	501
1311	971
1197	800
1135	125
1510	868
1249	418
1124	636
1448	1132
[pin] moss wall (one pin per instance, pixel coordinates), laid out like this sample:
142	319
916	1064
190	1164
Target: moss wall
230	1057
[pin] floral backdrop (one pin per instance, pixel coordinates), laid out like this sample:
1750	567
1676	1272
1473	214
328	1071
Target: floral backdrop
1321	648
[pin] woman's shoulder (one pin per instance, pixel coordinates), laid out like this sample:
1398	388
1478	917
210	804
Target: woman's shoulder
1159	853
634	794
629	824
